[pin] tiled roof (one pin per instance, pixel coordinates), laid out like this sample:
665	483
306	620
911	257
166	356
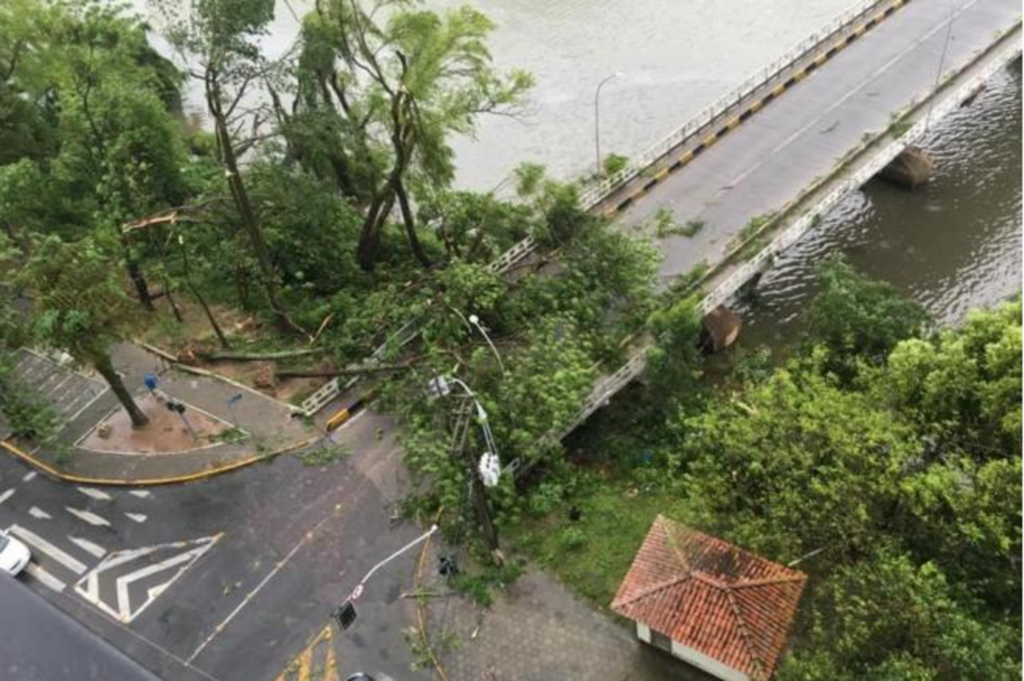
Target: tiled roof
722	601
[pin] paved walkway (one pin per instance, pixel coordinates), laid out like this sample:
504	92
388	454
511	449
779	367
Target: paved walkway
268	424
536	630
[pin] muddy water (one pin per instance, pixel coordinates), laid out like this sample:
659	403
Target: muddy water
954	245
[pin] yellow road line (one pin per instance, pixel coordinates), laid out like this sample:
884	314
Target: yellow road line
147	482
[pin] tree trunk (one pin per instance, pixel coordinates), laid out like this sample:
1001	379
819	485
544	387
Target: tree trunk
410	226
106	369
244	206
136	275
202	301
369	237
171	301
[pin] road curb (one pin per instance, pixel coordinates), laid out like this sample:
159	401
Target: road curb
152	482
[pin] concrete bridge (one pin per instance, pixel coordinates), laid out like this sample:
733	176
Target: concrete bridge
758	167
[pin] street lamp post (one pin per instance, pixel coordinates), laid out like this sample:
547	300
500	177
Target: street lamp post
597	118
346	613
483	473
473	322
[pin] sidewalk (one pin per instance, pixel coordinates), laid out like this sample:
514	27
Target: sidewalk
268	425
536	630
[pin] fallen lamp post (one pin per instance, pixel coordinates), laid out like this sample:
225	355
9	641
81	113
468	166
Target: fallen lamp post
345	615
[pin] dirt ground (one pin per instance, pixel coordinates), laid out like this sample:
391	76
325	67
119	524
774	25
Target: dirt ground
165	433
162	331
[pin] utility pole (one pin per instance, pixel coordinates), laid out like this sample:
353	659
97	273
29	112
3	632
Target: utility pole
597	119
477	488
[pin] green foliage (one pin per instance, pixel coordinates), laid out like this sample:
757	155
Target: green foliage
79	305
857	319
889	617
674	362
481	583
804	465
613	163
325	454
26	413
665	225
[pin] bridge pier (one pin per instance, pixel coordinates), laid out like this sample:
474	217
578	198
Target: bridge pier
720	329
910	170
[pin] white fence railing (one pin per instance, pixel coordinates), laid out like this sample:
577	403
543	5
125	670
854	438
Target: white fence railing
595	194
600	191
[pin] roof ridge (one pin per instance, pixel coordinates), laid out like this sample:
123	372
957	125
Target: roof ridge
661	586
665	524
741	628
765	581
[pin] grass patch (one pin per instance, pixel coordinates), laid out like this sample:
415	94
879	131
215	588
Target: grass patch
231	435
900	128
665	225
325	454
591	555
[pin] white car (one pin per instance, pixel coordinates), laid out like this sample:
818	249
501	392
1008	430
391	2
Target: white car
14	555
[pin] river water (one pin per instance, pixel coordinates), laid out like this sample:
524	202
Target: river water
954	245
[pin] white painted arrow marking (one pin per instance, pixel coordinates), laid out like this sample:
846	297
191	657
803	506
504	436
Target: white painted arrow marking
124	603
140	493
88	517
94	493
49	549
6	495
137	517
89	547
39	513
89	586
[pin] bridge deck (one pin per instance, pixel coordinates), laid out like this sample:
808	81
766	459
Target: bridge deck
772	156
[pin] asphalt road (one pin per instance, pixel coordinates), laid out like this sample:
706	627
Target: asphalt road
227	578
802	135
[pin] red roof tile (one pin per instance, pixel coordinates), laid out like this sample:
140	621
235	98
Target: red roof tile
718	599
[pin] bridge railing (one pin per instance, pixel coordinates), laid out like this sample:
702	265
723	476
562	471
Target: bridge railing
607	386
593	195
597	193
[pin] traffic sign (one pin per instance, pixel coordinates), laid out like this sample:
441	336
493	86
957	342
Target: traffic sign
345	615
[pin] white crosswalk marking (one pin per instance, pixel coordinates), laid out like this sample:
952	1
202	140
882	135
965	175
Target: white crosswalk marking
140	493
45	577
7	495
37	542
89	547
137	517
29	476
88	516
94	493
39	513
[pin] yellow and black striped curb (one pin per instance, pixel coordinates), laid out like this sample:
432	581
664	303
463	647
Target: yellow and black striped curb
735	121
152	482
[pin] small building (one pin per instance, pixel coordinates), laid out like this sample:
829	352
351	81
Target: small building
719	608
